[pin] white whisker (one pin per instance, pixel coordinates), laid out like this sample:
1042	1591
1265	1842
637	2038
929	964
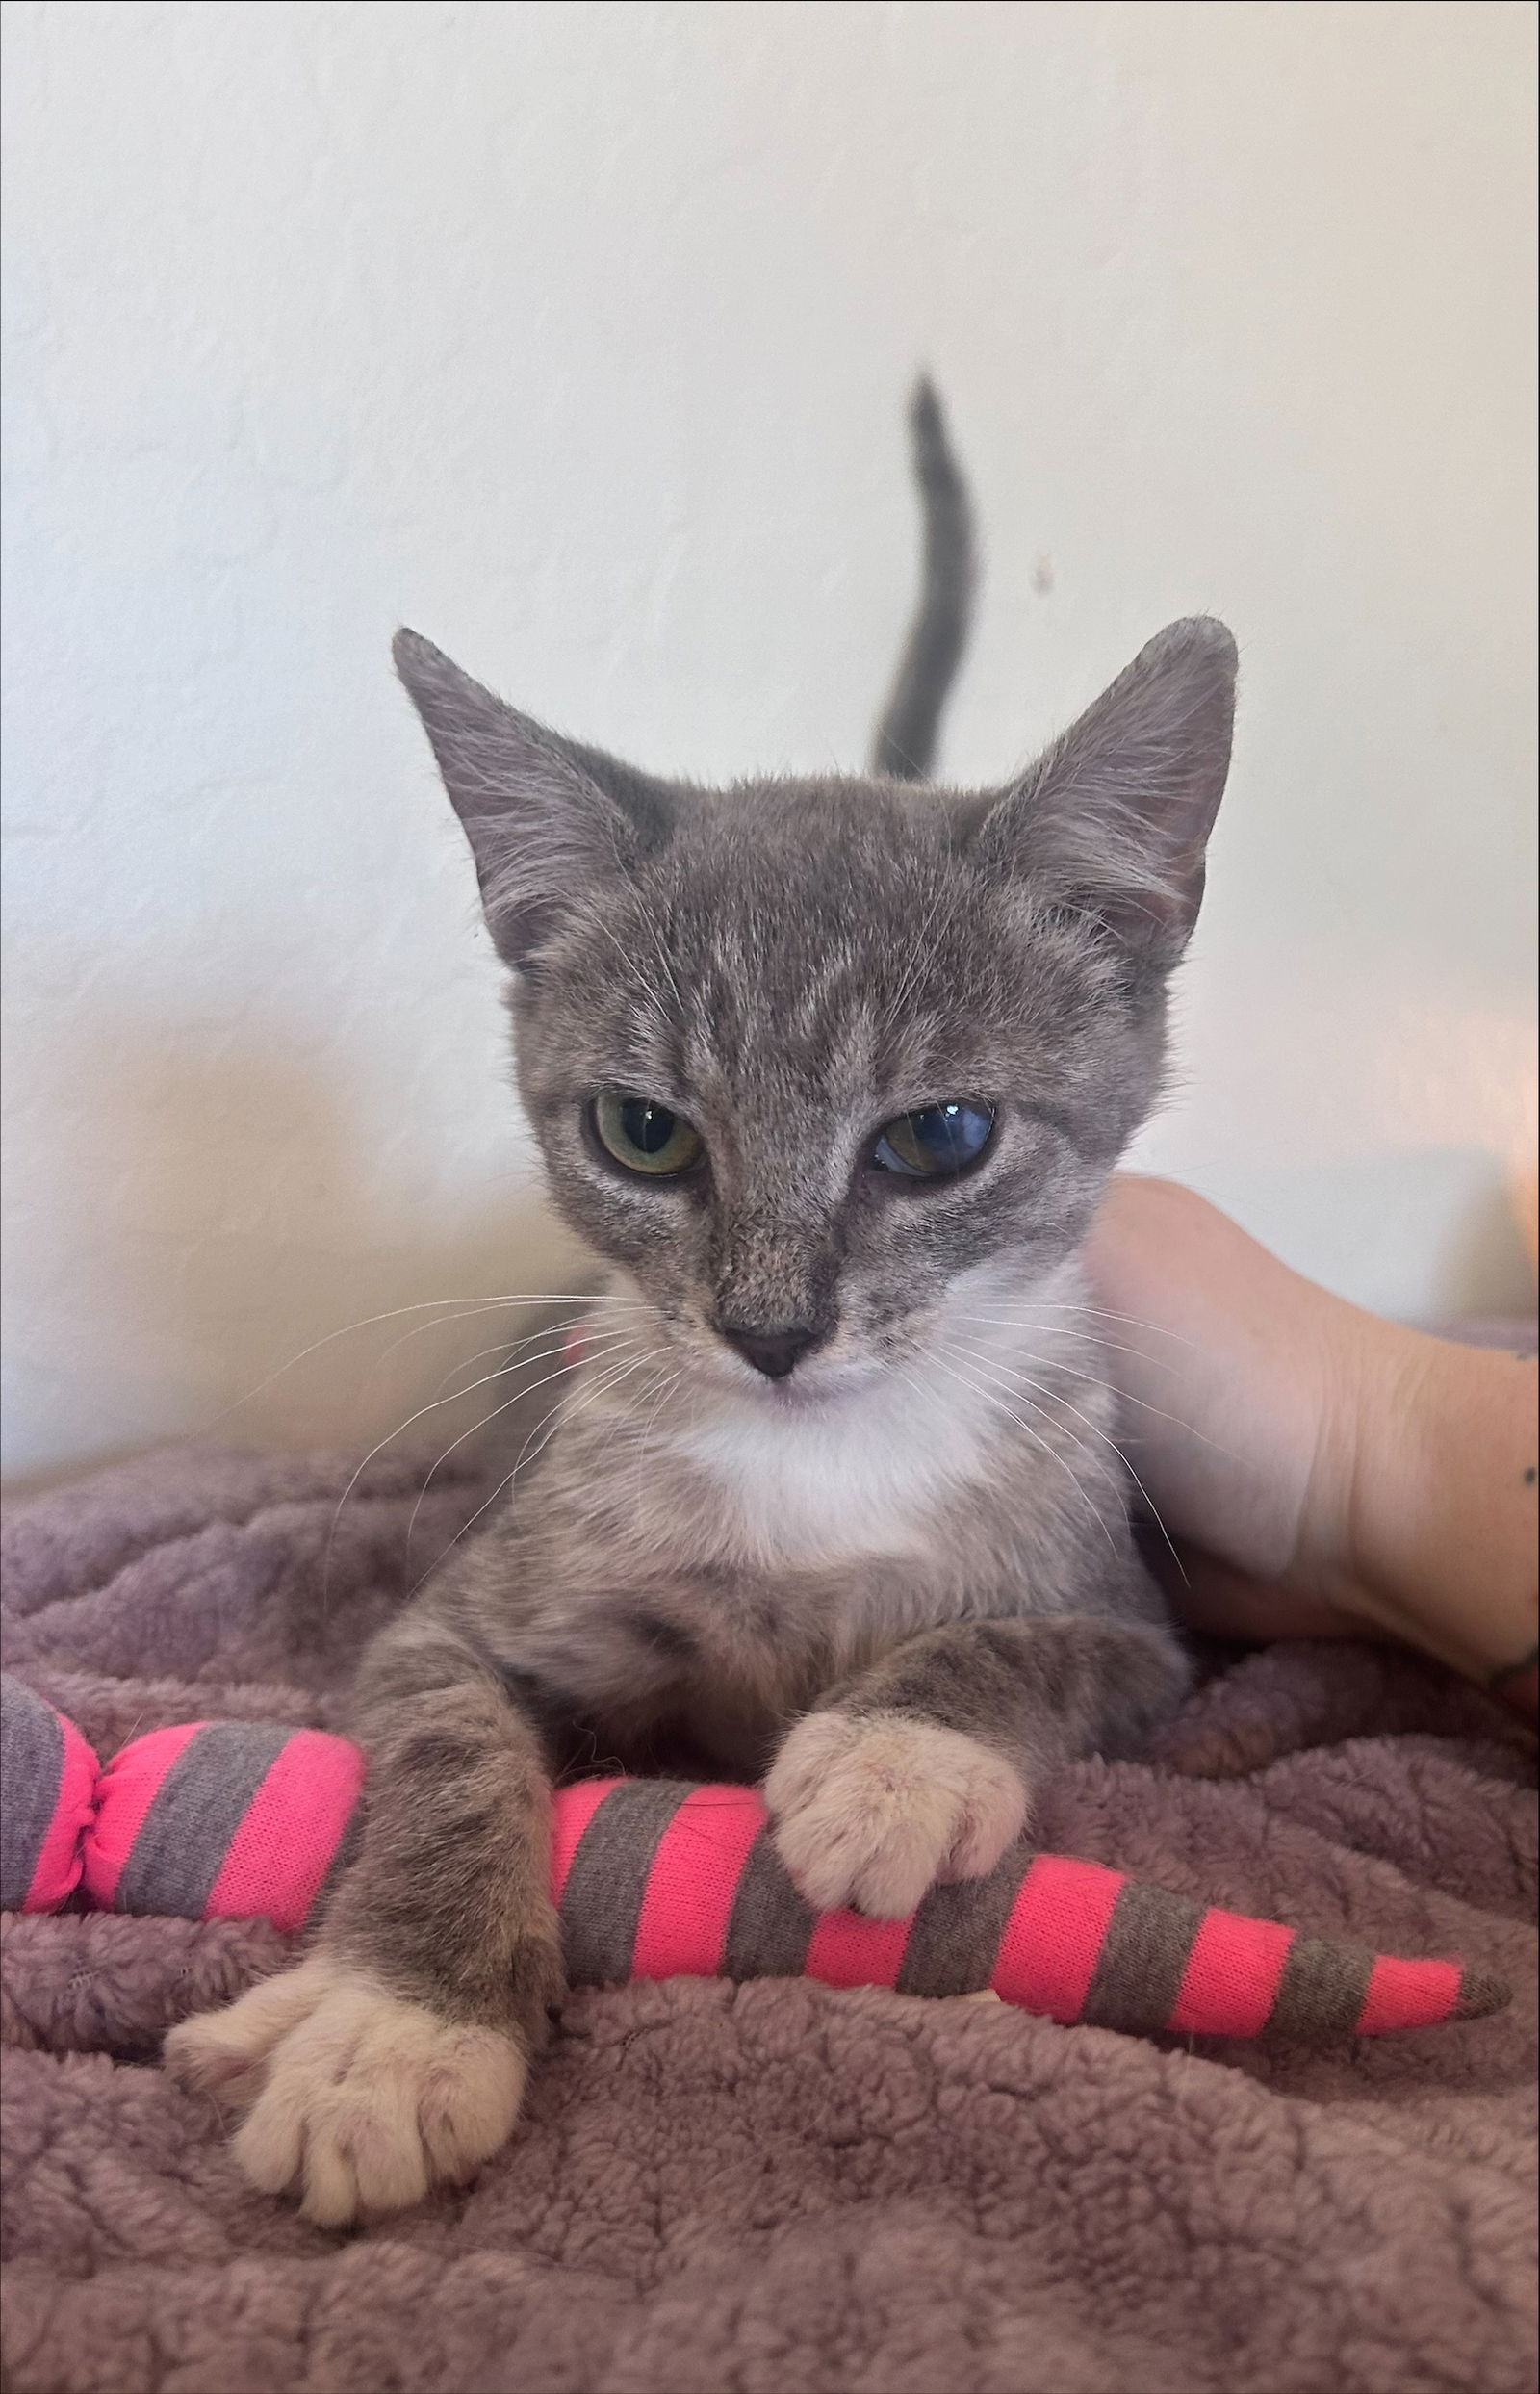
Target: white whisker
467	1313
1057	1304
648	1426
615	1380
963	1381
512	1350
500	1347
1052	1363
1054	1329
554	1417
621	1422
426	1304
1048	1363
486	1378
1096	1432
550	1423
615	1340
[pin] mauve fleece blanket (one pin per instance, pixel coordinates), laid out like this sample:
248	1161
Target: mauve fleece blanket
776	2188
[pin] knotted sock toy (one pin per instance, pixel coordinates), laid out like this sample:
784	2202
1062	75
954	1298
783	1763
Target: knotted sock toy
658	1879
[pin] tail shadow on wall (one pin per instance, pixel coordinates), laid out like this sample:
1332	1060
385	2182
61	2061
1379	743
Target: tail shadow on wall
199	1211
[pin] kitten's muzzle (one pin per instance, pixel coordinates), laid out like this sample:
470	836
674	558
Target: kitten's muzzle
773	1348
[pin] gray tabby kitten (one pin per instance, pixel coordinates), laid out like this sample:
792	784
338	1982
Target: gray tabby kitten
830	1072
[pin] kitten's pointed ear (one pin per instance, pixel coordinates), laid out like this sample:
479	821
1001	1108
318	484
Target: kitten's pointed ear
547	820
1114	818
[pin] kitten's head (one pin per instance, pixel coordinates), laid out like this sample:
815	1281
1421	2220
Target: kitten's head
812	1060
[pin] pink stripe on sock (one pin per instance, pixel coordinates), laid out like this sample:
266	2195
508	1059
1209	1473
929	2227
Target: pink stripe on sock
1407	1994
571	1810
124	1793
289	1833
1232	1976
1054	1935
61	1855
694	1878
847	1950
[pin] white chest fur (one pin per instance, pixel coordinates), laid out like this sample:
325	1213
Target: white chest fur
858	1475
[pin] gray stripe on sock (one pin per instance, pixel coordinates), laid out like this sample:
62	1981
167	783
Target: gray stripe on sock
601	1900
32	1761
1479	1994
770	1927
957	1931
1321	1990
1140	1968
185	1834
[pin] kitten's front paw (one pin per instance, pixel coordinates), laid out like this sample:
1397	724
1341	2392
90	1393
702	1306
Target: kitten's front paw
871	1810
358	2100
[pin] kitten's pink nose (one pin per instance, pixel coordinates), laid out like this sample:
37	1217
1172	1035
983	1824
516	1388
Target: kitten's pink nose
773	1351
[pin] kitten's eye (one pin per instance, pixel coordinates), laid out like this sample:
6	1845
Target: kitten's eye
644	1137
934	1142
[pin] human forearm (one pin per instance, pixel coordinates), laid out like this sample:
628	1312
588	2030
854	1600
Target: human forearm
1322	1471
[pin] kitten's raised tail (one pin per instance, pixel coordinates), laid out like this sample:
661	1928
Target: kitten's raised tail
905	743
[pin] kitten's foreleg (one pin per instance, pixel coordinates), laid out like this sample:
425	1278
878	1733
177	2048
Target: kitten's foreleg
395	2054
926	1766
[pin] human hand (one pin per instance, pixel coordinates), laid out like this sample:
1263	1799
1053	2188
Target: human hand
1320	1471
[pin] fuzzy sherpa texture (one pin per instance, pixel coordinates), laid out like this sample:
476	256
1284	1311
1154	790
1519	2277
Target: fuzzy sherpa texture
777	2187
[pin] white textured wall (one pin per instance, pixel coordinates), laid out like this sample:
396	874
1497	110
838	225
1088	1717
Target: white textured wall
576	336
